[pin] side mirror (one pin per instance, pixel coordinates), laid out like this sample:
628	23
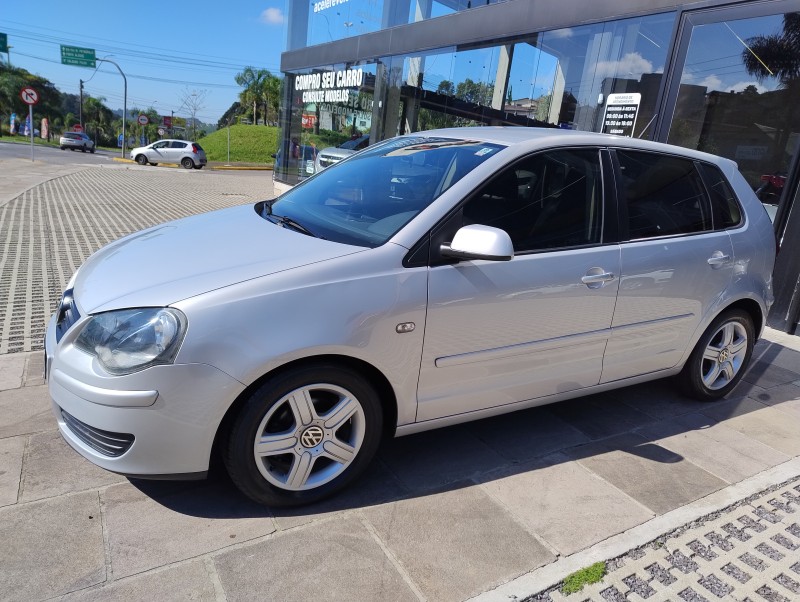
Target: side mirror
480	242
274	155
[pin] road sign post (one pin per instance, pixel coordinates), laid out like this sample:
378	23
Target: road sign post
80	57
30	97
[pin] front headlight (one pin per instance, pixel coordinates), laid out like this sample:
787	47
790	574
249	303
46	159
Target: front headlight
129	340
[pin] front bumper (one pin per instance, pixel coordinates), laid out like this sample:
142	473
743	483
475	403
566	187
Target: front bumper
158	422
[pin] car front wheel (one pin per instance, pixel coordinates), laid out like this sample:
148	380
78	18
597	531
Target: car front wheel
187	163
141	159
720	358
303	435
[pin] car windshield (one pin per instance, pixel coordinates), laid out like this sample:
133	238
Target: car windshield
354	143
366	199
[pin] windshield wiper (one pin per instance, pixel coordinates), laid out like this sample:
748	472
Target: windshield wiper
288	222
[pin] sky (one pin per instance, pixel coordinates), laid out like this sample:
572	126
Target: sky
167	50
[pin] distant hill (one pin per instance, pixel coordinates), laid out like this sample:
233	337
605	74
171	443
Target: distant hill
249	144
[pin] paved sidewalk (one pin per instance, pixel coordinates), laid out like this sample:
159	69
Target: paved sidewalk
499	509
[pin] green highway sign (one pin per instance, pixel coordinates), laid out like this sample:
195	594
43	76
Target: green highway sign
80	57
3	42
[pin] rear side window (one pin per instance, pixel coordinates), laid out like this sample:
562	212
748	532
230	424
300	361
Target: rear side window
177	144
727	212
663	195
198	147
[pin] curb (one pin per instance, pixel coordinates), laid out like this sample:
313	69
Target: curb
212	167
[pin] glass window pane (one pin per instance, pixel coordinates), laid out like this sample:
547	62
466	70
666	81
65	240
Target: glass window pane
547	201
664	195
723	200
738	97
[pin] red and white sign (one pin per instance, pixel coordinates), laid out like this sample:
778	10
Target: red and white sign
77	127
167	121
143	119
29	96
309	121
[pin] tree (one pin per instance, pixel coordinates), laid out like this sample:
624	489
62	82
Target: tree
252	80
271	97
194	102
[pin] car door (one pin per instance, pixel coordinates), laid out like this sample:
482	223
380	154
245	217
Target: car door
499	332
675	265
157	152
176	151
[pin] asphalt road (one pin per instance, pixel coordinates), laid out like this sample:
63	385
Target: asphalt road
22	150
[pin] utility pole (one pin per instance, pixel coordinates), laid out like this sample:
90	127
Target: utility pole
172	125
80	111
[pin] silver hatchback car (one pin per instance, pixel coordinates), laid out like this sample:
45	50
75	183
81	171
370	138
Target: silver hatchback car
432	279
189	155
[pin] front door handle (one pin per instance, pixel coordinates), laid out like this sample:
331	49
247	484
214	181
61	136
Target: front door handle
718	259
597	277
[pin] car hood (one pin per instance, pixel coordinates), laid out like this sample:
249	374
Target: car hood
339	153
188	257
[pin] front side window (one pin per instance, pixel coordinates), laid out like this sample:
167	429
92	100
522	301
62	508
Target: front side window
663	195
547	201
366	199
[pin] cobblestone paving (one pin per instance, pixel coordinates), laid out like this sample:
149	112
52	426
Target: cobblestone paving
48	231
747	553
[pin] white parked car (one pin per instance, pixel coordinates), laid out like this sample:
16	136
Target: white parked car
432	279
186	154
76	141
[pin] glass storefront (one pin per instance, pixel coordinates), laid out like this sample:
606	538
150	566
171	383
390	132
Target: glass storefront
738	97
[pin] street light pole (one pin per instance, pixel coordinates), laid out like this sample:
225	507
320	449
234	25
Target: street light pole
124	103
8	53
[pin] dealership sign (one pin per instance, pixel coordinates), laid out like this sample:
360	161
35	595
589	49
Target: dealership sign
328	86
621	111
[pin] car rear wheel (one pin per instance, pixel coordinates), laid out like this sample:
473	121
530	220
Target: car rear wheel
720	358
141	159
63	148
91	150
303	435
187	163
83	148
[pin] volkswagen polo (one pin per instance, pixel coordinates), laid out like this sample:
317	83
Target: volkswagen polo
432	279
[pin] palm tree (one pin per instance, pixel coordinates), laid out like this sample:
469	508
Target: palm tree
778	55
252	80
271	94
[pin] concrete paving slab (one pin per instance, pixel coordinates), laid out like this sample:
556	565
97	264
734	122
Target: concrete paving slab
190	581
12	368
11	453
600	416
432	459
566	505
51	548
766	374
714	447
777	354
53	468
25	411
456	543
145	532
329	560
522	436
378	485
658	399
769	425
654	476
783	397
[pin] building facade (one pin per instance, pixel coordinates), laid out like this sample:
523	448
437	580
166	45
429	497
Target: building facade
722	77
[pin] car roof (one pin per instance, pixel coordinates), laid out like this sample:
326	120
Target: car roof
545	137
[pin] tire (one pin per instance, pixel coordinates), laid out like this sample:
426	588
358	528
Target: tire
83	149
720	358
187	163
63	148
141	159
304	458
91	150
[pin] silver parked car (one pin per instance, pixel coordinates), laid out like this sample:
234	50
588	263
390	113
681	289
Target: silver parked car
333	154
186	154
76	141
435	278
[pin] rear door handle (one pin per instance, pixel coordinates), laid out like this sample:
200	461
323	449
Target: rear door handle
597	277
718	259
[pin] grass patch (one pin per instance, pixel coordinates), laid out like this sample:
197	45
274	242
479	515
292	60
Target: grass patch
249	144
591	574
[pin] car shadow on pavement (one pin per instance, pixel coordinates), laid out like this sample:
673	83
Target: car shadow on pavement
624	436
